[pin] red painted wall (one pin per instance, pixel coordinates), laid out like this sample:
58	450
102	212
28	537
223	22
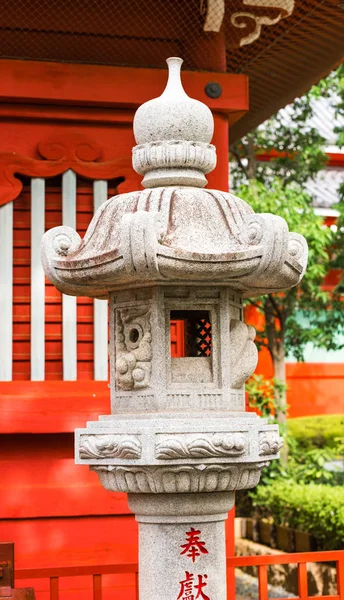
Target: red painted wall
313	388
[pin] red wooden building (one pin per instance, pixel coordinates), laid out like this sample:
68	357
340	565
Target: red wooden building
72	75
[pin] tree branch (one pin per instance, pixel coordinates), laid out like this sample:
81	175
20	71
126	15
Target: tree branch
259	306
271	333
237	156
251	167
276	307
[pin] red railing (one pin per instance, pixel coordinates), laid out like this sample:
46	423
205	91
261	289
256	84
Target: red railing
95	571
262	562
299	558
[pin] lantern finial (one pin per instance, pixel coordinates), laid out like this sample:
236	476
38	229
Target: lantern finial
173	133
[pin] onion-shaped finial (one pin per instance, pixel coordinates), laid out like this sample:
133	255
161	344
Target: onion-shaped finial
173	133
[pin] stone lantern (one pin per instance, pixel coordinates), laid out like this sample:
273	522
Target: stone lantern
178	439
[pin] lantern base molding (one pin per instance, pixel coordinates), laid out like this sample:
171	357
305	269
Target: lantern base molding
170	454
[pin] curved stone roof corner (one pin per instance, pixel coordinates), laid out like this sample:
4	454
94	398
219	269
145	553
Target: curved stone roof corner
175	231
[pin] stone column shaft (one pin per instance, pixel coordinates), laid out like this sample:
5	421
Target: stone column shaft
182	545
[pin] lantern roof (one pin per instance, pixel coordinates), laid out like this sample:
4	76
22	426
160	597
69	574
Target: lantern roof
174	231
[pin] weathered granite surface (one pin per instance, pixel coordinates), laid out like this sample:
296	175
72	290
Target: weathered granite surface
178	439
175	234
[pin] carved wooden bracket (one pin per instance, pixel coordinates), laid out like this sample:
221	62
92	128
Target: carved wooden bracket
245	24
59	153
257	13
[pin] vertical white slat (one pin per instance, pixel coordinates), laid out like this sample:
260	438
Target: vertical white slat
6	291
69	302
37	280
100	307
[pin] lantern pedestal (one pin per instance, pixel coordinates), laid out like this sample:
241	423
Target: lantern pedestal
182	550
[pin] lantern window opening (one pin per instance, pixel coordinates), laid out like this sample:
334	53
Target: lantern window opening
196	332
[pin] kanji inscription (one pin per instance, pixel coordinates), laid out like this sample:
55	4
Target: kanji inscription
189	590
194	546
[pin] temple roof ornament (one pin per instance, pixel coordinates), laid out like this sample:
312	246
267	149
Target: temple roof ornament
250	19
174	231
242	19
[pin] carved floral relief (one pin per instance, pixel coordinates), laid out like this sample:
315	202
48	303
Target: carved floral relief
59	153
244	353
133	348
201	446
269	443
178	479
109	446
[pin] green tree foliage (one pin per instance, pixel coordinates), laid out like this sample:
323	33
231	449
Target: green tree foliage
284	332
335	84
299	148
307	312
316	451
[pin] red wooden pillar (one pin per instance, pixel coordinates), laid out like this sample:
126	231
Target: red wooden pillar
219	178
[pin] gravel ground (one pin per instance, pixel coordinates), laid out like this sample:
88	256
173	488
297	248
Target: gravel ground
247	588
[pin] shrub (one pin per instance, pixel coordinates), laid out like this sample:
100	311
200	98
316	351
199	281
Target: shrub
319	431
316	509
312	466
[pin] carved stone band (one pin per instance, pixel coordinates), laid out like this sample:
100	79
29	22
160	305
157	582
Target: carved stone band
179	479
174	153
109	446
201	446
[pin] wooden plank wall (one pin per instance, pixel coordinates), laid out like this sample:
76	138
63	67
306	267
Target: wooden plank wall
37	349
6	291
54	336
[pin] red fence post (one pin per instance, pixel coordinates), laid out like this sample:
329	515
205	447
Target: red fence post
54	588
302	581
263	582
340	576
97	587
